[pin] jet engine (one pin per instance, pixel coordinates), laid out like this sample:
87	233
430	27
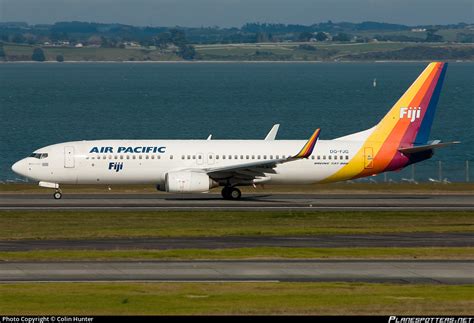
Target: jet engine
188	182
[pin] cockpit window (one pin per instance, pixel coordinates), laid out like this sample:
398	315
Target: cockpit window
39	155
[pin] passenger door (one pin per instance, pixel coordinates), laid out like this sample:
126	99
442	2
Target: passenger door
368	158
69	157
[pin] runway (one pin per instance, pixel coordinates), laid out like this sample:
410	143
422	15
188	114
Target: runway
253	201
438	272
418	239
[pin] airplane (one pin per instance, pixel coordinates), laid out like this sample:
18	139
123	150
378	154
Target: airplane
401	138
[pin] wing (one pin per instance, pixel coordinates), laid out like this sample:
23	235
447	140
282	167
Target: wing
257	171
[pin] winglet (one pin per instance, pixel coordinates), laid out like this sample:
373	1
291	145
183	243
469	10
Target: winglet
307	149
272	133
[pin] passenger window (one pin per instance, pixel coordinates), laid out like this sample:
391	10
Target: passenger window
264	156
139	156
223	156
128	157
110	156
217	156
312	157
182	157
152	156
147	157
329	157
253	156
171	156
324	157
189	156
194	156
271	156
199	157
347	157
319	157
277	157
230	156
247	157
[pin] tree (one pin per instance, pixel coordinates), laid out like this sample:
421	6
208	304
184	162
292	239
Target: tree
2	52
178	37
60	58
305	36
320	36
432	37
262	37
18	38
342	37
187	52
38	55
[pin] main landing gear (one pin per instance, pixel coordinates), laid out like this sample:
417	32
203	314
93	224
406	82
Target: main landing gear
231	193
57	195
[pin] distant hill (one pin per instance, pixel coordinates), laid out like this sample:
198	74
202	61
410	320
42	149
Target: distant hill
112	35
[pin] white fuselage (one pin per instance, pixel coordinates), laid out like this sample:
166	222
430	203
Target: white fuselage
131	162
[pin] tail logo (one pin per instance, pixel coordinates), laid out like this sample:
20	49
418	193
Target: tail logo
411	113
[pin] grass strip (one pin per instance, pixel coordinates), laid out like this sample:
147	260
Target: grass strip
17	225
234	298
242	253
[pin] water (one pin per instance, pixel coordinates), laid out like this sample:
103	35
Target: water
42	103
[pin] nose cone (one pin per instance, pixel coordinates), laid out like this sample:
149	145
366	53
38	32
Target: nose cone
19	167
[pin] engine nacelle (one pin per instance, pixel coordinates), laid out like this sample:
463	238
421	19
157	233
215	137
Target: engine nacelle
188	182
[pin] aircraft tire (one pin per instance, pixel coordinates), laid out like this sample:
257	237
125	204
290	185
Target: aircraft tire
235	194
226	192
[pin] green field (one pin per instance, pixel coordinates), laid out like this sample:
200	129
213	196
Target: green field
15	225
234	298
286	51
24	52
241	254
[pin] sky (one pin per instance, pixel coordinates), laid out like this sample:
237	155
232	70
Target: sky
235	13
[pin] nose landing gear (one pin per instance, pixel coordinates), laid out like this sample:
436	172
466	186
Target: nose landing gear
57	195
231	193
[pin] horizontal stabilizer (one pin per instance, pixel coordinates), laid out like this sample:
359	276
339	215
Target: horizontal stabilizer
433	145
